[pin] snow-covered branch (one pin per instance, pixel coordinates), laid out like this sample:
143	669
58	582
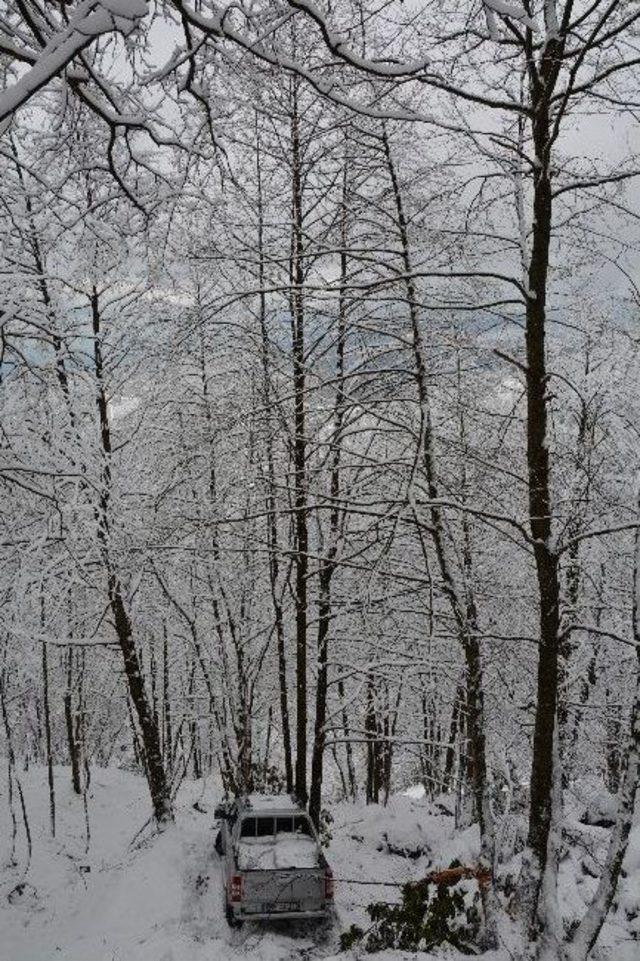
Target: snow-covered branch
91	19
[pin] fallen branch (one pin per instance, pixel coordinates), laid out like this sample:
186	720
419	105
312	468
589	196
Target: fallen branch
446	877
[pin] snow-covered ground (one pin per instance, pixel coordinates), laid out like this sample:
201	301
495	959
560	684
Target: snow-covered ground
159	897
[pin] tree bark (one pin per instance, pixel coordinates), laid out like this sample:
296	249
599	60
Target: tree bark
47	724
149	731
542	83
324	615
328	563
272	521
300	447
74	759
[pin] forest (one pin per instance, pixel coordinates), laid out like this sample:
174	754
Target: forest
319	467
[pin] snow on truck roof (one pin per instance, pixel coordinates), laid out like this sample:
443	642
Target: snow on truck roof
271	802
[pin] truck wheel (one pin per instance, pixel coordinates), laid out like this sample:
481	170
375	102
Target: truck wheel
218	843
232	920
325	927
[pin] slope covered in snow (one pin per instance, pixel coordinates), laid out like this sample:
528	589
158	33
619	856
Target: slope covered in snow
131	895
159	897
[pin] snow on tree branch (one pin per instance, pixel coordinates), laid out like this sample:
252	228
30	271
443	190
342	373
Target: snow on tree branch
512	10
337	46
91	20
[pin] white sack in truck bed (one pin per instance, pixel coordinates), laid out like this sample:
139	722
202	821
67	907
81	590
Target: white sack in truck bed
283	851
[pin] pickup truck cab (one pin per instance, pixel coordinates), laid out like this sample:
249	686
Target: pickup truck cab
273	866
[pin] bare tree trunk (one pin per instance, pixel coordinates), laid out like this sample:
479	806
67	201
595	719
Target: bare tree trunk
324	616
351	771
454	727
272	521
462	602
47	724
138	752
374	745
328	563
167	726
542	83
154	766
11	762
74	758
300	447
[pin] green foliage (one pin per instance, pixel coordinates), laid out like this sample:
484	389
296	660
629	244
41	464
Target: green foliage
428	917
351	937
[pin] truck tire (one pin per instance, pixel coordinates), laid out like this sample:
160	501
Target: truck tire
325	926
218	844
232	920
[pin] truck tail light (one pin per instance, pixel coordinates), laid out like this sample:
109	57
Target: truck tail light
328	885
235	887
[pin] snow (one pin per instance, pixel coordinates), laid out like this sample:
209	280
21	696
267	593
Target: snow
88	22
283	851
597	805
406	826
120	408
272	802
337	45
513	10
416	791
589	808
159	897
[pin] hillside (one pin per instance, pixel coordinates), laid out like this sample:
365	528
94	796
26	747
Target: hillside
135	895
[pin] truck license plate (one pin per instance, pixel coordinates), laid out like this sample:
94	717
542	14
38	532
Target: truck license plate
276	906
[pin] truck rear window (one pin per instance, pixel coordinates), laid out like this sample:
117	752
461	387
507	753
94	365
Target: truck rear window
257	827
264	827
298	824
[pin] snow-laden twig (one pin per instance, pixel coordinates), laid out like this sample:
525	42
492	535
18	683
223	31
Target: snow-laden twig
514	11
90	21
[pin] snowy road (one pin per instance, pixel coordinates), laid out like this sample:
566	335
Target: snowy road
158	901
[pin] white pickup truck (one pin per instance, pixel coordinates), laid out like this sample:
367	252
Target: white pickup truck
273	864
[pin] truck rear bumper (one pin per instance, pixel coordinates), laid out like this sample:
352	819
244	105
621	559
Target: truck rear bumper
242	915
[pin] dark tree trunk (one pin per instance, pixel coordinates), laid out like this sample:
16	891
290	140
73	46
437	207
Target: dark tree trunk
374	752
156	775
328	564
450	755
47	732
324	615
167	723
348	747
11	763
272	521
149	731
539	475
300	449
72	742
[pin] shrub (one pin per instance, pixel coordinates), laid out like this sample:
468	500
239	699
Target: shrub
429	915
